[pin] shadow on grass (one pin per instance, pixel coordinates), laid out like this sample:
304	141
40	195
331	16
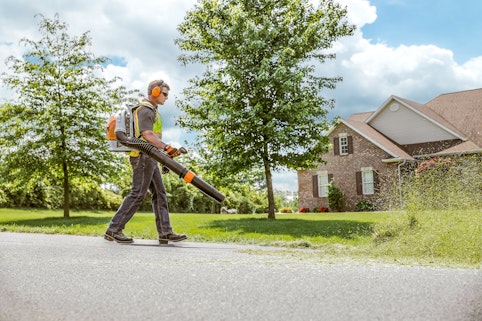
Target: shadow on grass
61	221
296	228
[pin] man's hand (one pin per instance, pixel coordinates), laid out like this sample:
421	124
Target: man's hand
174	152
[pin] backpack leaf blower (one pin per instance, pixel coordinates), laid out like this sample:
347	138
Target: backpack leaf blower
165	160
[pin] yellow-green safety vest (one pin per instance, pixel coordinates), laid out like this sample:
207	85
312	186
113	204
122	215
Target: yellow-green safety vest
156	128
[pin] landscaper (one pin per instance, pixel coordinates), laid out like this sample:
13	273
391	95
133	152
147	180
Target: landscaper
145	171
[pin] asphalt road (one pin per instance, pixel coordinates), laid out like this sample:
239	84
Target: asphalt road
59	277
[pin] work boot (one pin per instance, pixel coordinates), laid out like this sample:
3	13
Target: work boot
119	237
173	237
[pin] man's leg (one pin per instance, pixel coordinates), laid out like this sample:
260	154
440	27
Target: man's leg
159	204
161	210
142	171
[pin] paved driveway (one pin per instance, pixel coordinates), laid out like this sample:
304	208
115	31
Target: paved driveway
59	277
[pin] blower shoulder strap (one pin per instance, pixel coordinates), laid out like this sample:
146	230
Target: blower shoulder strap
135	109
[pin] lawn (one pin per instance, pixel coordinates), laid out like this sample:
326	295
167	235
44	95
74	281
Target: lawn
433	238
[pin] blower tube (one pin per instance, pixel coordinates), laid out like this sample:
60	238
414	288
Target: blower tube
175	167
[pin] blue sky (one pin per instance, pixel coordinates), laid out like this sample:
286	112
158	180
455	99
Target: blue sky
415	49
456	25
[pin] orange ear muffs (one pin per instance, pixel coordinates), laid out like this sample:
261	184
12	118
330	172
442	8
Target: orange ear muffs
156	91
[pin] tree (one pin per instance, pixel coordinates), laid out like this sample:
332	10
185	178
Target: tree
259	104
53	131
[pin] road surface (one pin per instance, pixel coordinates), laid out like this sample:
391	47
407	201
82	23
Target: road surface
60	277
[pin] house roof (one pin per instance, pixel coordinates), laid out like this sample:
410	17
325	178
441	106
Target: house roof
406	122
463	110
464	147
432	115
453	116
357	122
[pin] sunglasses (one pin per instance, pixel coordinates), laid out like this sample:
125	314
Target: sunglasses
165	94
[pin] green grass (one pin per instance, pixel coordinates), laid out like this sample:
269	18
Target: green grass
449	238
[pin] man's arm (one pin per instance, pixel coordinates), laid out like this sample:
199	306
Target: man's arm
153	139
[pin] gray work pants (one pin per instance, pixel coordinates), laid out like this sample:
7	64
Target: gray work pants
145	175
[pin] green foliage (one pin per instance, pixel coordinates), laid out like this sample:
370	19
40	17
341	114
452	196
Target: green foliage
246	202
336	198
83	196
432	236
364	206
444	184
53	133
258	106
441	218
37	195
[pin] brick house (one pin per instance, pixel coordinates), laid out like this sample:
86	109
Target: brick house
369	150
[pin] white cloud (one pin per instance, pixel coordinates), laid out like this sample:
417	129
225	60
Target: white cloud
143	32
360	12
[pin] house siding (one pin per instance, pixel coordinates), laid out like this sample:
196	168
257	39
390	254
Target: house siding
344	169
394	124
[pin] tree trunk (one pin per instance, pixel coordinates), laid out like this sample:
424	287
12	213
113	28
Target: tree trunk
269	186
66	190
65	171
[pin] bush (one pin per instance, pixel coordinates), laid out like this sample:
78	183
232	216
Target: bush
441	184
336	199
321	209
303	210
364	206
286	210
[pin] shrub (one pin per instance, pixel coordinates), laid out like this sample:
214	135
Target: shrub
336	199
441	184
321	209
364	206
434	164
303	210
286	210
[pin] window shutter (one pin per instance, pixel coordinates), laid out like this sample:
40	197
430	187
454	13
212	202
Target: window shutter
350	145
330	178
315	186
359	182
376	182
336	146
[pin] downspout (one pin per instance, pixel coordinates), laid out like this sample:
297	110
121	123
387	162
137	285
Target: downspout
399	172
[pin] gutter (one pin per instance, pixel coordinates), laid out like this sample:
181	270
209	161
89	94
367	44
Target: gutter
400	162
397	160
399	172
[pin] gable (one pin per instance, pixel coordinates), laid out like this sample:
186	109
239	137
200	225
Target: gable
406	124
357	124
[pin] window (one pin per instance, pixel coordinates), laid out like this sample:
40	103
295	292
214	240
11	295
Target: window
323	184
368	183
343	144
320	183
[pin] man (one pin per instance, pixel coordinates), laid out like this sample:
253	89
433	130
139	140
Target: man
145	171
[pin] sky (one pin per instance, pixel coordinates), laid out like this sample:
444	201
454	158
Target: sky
414	49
